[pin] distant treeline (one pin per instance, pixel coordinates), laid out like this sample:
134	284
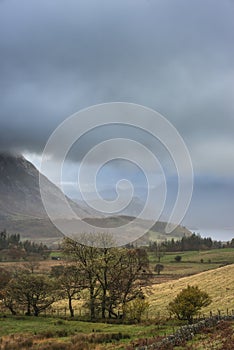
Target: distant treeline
13	242
193	242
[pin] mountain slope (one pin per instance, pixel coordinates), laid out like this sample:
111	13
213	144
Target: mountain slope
21	207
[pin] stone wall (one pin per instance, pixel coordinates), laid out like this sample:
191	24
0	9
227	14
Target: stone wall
185	333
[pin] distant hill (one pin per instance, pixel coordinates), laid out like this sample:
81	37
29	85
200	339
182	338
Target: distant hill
156	233
134	208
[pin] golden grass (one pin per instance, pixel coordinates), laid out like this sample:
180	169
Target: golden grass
218	283
44	265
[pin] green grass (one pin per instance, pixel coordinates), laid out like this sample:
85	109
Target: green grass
63	331
36	325
215	255
191	261
56	253
57	331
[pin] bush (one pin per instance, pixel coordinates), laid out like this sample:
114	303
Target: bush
189	302
178	258
135	309
158	268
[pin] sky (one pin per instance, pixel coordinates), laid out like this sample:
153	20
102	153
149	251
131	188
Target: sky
174	56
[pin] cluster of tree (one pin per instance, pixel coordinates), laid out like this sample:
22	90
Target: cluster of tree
193	242
36	292
110	275
230	244
6	241
32	292
15	248
108	278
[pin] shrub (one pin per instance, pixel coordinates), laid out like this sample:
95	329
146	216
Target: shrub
135	309
158	268
189	302
178	258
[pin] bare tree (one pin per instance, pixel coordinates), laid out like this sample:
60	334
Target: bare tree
31	265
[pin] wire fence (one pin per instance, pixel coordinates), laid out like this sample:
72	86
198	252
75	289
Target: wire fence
83	313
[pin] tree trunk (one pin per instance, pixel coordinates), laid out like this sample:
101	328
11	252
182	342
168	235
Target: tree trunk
92	303
28	312
112	313
70	306
104	304
36	311
13	312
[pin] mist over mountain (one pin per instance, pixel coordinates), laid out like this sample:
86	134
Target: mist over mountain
134	208
21	207
22	210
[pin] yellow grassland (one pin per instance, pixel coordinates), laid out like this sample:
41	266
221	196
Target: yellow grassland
218	283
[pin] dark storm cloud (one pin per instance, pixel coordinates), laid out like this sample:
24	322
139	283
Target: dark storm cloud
174	56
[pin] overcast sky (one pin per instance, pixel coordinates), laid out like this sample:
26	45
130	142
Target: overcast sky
175	56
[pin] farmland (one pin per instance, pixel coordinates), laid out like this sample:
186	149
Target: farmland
193	261
211	270
218	283
175	276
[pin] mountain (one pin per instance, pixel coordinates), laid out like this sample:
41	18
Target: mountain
21	207
22	210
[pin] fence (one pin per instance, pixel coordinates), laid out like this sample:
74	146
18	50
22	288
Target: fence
82	312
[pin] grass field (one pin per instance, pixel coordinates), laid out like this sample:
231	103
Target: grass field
218	283
191	261
44	266
215	255
44	329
